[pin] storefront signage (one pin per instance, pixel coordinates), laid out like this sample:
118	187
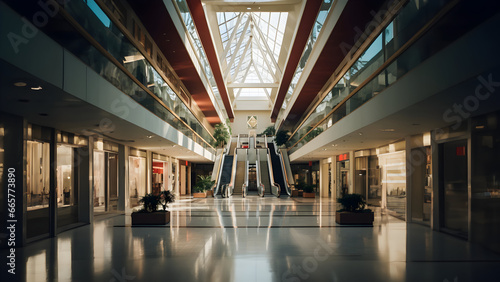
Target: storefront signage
343	157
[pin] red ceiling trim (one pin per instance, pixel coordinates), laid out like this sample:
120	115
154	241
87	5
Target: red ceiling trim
201	23
306	24
356	15
156	19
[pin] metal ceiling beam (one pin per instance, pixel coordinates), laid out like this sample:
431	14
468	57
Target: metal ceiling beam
271	54
237	48
233	35
253	85
233	77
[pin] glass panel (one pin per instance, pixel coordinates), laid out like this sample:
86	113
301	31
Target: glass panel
99	183
137	180
397	33
113	182
374	185
393	167
111	39
66	190
485	202
38	187
454	166
421	189
318	25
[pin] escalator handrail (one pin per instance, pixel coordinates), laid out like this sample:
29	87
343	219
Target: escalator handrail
233	172
215	187
260	185
285	174
271	173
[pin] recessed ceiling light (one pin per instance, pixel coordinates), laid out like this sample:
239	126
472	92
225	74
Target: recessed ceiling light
36	88
360	133
334	145
388	130
149	136
20	84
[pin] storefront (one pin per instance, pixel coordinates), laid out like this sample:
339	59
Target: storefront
65	197
392	162
105	192
343	167
160	173
137	176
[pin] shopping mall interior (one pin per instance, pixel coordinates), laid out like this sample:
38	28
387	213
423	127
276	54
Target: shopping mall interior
249	126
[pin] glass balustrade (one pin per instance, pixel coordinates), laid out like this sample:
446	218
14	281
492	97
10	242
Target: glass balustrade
101	28
337	103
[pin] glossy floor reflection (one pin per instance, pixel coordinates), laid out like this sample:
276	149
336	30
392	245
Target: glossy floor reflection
255	239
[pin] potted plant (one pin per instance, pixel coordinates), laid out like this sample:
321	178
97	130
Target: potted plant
281	137
222	134
269	131
353	211
149	214
308	191
298	189
199	191
203	186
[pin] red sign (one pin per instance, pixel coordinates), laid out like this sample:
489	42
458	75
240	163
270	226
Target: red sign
343	157
310	163
461	151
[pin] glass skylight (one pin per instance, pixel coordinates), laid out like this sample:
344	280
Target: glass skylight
251	44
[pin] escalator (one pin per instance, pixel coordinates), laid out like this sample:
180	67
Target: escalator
278	170
287	171
225	175
239	172
265	172
223	172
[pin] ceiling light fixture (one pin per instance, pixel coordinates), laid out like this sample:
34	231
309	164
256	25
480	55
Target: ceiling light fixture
20	84
248	8
388	130
36	88
149	136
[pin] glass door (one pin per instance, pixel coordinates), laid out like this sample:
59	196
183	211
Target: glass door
454	187
112	182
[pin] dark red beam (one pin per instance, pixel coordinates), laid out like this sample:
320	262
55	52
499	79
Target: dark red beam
306	24
156	19
355	16
201	24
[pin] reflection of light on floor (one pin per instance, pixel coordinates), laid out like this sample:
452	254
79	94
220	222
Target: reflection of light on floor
64	257
188	208
36	269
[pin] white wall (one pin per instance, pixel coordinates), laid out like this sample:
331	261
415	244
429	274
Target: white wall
239	125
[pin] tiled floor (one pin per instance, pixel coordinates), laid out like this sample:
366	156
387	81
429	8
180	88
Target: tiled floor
255	239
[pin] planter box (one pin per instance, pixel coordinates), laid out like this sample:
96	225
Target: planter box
295	193
308	195
364	218
150	218
199	195
210	193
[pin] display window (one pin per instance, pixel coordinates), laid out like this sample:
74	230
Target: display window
137	179
160	169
